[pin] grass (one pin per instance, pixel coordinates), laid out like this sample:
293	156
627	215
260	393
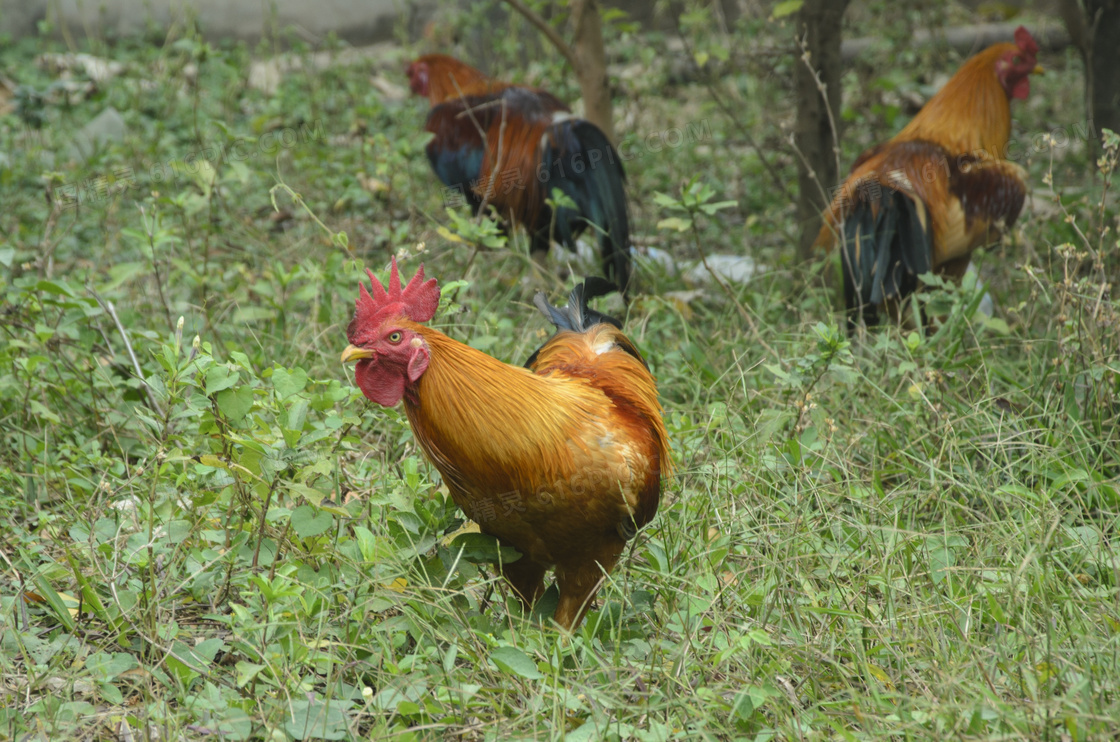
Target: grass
902	535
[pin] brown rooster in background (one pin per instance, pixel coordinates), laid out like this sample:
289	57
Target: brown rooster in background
938	190
562	460
511	145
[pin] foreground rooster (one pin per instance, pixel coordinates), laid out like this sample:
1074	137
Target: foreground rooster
938	190
510	146
563	460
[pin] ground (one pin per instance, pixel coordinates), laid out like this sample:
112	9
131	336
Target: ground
212	534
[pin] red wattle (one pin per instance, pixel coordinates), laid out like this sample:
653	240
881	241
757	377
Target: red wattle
384	385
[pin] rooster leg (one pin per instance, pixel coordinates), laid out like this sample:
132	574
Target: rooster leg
526	578
955	268
578	584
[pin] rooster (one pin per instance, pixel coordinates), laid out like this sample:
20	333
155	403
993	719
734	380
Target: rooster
510	146
562	460
938	190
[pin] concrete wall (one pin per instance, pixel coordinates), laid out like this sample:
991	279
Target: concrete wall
357	21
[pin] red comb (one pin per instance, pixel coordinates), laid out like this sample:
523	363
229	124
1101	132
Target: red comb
417	302
1025	41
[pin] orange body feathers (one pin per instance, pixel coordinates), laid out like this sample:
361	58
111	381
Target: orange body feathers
562	460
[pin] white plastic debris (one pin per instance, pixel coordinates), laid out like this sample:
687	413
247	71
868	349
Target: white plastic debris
733	268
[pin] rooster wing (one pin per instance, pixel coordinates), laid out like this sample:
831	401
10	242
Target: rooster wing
512	147
913	207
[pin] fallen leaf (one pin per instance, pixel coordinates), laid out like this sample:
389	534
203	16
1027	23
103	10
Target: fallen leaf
373	185
398	585
468	527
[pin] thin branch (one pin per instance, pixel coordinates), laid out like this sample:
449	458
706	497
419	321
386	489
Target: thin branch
261	524
546	28
806	57
149	229
482	134
809	168
112	312
708	83
46	260
495	168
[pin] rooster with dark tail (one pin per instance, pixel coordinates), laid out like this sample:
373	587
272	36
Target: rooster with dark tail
510	146
941	188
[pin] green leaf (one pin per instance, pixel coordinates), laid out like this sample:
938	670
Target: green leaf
712	208
288	382
308	522
89	596
335	510
235	403
482	548
942	557
590	731
219	377
370	548
187	662
561	200
312	495
295	417
61	610
777	371
996	325
786	8
755	636
106	667
204	176
679	223
751	699
512	660
246	671
41	411
545	607
59	288
242	360
317	719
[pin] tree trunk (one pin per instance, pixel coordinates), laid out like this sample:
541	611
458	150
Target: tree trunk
1102	69
586	55
818	112
590	62
1074	19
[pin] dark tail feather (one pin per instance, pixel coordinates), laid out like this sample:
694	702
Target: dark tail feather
585	166
576	316
883	253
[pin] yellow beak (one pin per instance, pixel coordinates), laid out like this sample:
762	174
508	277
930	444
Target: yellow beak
353	354
1038	70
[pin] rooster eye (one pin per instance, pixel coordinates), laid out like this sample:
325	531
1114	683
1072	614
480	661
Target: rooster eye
395	337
